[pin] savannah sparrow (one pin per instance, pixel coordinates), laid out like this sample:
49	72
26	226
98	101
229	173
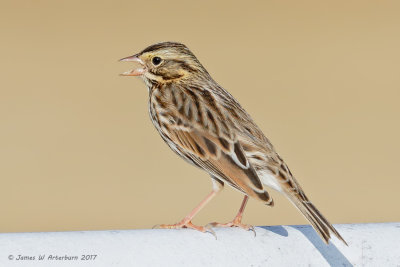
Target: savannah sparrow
207	127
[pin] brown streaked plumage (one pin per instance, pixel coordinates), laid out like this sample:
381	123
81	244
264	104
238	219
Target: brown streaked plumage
207	127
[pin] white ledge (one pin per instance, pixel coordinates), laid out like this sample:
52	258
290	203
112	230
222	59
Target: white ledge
369	245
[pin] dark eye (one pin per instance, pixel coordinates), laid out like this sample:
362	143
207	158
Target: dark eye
156	60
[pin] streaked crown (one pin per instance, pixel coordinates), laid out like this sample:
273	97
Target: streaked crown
169	61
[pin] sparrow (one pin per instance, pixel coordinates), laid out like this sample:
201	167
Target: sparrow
205	125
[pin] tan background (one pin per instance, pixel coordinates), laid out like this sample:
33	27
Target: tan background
77	148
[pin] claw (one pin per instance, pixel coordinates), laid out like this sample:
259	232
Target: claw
253	229
234	223
211	231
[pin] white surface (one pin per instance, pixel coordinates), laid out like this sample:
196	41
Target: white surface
369	245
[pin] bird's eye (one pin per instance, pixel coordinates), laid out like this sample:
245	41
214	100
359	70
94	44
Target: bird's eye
156	60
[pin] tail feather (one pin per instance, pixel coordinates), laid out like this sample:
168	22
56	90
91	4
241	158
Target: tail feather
317	220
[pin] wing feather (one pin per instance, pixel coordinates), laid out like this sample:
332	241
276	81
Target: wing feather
228	163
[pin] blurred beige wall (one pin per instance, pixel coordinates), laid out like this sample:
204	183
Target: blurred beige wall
77	148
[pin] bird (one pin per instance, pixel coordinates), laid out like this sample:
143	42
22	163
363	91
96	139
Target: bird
206	126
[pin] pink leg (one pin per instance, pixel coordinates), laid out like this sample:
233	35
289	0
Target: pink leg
241	210
187	221
237	221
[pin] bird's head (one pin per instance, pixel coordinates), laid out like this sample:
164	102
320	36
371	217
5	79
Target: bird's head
165	62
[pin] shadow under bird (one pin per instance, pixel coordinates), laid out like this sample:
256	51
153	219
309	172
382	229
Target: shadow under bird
206	126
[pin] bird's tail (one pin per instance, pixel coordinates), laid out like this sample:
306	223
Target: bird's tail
316	219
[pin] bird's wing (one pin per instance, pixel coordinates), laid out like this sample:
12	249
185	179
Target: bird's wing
201	132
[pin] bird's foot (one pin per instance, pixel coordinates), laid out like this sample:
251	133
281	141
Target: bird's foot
235	223
186	224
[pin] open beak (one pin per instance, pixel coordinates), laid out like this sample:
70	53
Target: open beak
135	72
